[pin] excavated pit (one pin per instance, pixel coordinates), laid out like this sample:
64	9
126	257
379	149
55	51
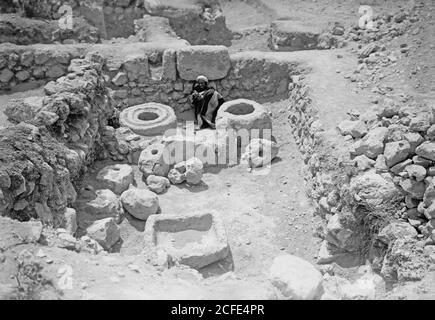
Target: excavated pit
257	221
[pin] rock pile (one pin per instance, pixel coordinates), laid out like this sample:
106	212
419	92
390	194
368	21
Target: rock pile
40	157
378	174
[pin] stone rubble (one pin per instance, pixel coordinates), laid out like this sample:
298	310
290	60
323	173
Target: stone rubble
140	203
296	278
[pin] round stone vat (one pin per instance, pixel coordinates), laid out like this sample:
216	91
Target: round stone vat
149	119
241	120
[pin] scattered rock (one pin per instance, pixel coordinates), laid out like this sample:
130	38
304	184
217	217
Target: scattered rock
194	171
396	230
106	232
260	152
158	184
70	222
105	204
338	235
116	177
405	261
416	172
426	150
372	144
396	152
367	50
363	163
296	278
414	188
175	177
140	203
356	129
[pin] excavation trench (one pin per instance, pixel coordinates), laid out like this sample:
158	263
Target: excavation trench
264	215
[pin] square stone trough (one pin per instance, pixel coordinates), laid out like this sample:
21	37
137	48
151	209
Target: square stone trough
195	239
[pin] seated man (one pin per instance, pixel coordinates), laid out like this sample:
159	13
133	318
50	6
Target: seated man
206	101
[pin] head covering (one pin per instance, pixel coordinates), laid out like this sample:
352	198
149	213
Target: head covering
203	78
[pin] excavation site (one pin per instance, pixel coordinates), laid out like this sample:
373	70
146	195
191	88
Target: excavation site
217	150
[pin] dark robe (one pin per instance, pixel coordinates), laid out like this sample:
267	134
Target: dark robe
201	104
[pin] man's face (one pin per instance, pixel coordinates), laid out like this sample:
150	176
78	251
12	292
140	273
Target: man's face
202	84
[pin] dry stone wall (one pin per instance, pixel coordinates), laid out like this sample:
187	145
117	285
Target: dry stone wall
165	77
32	66
372	184
42	157
24	31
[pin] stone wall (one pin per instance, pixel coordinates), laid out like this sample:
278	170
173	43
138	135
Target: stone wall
156	77
42	157
29	67
119	17
25	31
199	22
372	184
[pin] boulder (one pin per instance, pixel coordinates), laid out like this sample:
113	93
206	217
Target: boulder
356	129
373	189
104	205
364	163
210	61
158	184
24	109
372	144
396	230
405	261
420	122
140	203
426	150
176	177
338	235
414	188
296	278
381	164
194	171
106	232
431	132
260	152
367	50
367	287
400	167
116	177
414	139
389	108
70	221
396	152
416	172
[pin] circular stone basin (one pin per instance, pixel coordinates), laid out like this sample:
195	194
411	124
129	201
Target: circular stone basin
149	119
243	114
